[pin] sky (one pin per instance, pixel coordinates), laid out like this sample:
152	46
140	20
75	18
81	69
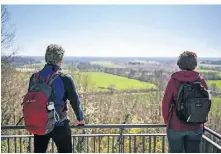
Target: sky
118	30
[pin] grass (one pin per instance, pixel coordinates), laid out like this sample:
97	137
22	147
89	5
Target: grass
216	103
207	71
108	64
100	79
216	82
209	65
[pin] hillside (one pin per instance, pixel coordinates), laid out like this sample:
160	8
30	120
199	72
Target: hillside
99	81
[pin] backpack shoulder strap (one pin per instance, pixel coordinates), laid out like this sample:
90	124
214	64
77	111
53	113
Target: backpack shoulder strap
197	80
35	77
180	89
53	77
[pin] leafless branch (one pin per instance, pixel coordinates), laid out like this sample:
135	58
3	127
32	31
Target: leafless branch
7	29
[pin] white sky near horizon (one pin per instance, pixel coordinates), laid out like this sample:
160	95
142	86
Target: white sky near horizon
118	30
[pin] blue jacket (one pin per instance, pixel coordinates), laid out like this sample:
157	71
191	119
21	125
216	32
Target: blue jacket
64	89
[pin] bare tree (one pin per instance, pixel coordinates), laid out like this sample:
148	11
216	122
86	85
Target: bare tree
7	39
7	29
10	91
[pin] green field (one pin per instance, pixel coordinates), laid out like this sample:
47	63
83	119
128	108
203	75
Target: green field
216	107
207	71
216	102
209	65
108	64
216	82
100	79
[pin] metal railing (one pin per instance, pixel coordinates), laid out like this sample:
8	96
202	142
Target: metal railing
126	138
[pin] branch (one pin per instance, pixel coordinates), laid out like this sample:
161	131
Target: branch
7	29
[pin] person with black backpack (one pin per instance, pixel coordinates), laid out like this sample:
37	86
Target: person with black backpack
45	104
185	106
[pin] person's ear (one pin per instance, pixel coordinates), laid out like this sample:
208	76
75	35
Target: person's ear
59	62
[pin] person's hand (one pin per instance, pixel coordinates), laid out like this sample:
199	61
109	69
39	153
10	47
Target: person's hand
79	123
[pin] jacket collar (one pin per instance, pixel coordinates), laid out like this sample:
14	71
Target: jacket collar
54	68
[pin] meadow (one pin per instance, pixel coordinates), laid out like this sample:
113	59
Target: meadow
207	71
214	82
99	81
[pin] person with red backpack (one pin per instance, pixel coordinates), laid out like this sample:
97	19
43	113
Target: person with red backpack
185	106
45	107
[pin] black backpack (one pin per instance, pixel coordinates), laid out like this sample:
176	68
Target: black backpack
193	103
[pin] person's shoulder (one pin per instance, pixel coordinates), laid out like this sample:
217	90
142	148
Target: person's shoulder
62	74
172	80
203	81
67	80
33	75
65	76
201	78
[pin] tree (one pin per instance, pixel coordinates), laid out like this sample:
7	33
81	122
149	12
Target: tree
7	29
10	89
7	39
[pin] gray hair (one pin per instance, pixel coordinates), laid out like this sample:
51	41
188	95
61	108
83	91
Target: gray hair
54	54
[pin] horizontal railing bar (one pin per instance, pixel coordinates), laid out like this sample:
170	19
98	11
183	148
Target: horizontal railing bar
98	126
92	135
213	132
86	135
212	142
117	126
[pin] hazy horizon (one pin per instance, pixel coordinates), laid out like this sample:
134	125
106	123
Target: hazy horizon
217	58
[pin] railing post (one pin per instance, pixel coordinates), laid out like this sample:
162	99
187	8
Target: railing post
29	145
163	144
120	139
15	145
8	145
20	142
121	143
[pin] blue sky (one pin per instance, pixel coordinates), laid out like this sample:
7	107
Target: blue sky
119	30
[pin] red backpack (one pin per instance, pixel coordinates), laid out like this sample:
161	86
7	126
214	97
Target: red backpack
38	106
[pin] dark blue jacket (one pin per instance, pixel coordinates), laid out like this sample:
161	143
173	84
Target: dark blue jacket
64	89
